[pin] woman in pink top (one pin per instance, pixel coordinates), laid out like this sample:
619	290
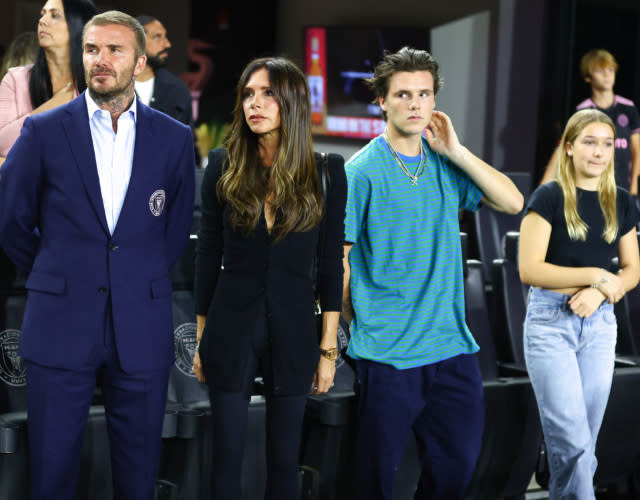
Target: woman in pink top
55	78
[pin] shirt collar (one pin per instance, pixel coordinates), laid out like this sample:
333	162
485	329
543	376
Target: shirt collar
92	107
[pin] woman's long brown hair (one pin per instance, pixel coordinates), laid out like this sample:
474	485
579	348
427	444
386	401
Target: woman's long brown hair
292	182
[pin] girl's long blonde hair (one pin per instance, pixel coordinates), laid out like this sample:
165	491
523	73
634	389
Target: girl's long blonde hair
294	182
565	177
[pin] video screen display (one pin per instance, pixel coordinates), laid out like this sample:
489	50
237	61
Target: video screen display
337	62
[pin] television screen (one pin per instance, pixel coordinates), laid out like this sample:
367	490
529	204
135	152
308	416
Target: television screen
337	62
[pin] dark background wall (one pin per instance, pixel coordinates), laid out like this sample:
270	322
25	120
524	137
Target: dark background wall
534	47
571	28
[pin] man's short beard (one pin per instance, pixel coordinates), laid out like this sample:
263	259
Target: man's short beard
103	96
157	62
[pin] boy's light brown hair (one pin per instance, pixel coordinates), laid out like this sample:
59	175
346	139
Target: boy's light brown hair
597	58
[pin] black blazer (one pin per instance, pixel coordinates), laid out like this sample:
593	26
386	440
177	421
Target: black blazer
171	96
256	270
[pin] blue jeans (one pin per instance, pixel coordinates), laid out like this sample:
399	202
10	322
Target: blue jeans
570	363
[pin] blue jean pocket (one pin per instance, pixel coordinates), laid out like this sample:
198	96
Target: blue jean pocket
543	314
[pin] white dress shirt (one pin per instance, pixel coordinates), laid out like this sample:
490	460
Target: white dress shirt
144	90
114	155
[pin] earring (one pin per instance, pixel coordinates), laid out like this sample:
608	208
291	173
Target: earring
569	153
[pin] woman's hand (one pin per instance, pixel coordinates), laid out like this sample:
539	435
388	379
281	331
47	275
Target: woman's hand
323	378
201	320
62	96
585	302
613	288
197	367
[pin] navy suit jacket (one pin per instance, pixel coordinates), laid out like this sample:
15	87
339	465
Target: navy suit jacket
53	226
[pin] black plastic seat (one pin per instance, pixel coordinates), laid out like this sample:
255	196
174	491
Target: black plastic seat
628	316
13	384
510	296
186	465
491	226
182	273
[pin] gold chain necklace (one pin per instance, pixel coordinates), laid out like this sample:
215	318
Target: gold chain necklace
421	164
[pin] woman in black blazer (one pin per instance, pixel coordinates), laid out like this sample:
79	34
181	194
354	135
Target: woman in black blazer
262	208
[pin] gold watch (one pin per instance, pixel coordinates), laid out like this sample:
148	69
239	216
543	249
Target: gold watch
330	354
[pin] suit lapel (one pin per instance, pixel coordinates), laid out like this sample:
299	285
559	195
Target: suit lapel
76	126
142	153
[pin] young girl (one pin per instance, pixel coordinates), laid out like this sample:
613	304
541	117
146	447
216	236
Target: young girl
572	228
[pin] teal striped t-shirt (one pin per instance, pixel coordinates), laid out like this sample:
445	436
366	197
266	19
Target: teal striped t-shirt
407	285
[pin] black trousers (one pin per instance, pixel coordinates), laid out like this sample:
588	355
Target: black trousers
283	430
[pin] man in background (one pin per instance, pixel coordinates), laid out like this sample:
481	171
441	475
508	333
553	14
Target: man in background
156	86
598	68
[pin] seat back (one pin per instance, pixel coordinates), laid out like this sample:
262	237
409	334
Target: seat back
632	303
182	273
478	319
13	383
491	226
510	299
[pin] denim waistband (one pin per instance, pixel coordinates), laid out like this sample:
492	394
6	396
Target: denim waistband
540	295
548	297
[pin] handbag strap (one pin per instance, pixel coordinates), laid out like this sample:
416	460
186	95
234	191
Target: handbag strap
324	183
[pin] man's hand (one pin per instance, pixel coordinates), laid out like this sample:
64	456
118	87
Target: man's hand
441	136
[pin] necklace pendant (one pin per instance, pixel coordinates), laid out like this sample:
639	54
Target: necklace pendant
414	181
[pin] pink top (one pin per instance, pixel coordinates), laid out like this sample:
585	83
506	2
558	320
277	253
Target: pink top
15	105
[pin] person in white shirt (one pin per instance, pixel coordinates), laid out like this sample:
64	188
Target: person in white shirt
156	86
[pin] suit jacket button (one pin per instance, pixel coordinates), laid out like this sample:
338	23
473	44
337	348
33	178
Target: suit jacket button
102	289
113	248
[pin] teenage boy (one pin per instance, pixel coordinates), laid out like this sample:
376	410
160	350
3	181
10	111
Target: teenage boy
598	68
404	286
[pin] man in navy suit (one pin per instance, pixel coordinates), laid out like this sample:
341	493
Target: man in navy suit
96	201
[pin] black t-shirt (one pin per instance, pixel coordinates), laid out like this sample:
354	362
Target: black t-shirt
548	202
626	119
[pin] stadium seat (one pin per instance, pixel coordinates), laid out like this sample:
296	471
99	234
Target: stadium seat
491	226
